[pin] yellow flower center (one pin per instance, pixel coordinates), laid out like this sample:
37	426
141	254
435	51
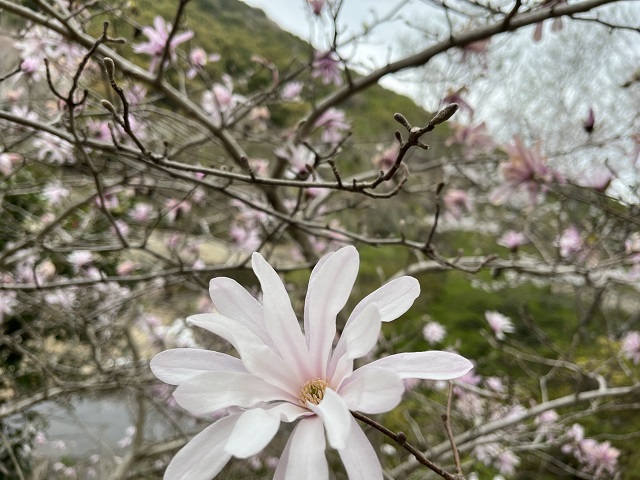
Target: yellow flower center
313	392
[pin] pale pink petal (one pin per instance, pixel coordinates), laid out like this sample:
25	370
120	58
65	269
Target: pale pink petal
177	365
212	391
360	459
280	319
328	292
233	301
394	298
253	432
358	338
303	457
257	357
433	365
335	416
204	456
372	390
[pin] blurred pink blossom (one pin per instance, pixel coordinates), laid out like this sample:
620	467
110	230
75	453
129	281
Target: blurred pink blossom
512	240
630	348
474	139
456	202
495	384
333	125
199	58
176	208
387	158
525	169
506	462
499	323
158	36
599	458
291	91
53	149
569	242
589	122
220	102
316	6
298	156
80	258
455	96
479	49
141	212
8	162
127	267
326	66
597	178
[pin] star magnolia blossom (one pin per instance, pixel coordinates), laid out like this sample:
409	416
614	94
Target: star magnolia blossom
284	375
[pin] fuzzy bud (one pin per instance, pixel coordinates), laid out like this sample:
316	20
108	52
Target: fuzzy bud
398	117
444	114
110	66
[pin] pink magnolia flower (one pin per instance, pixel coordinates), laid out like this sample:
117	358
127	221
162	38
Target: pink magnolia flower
456	202
158	36
630	347
220	102
455	96
598	457
199	58
499	323
434	332
512	240
284	375
298	156
525	169
291	91
333	125
569	242
326	66
506	462
141	212
474	139
479	49
495	384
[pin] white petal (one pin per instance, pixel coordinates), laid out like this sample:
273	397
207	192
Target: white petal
287	412
280	319
358	338
372	390
233	301
303	457
335	416
177	365
257	357
328	292
433	365
212	391
253	431
204	456
360	459
393	299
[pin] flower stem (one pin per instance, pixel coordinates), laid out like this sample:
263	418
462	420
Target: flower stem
401	439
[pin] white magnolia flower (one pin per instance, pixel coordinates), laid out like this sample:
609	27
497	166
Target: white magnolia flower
284	375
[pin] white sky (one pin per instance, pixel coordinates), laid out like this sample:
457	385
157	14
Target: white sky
295	17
